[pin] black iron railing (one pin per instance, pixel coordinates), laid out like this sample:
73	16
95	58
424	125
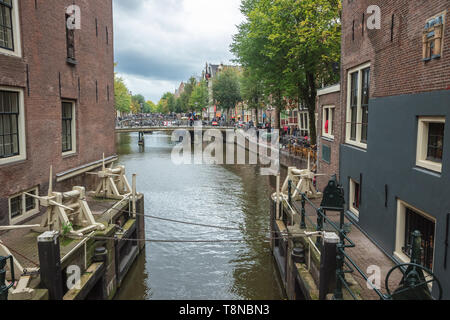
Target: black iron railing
345	264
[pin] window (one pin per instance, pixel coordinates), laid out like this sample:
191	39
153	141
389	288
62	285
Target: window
433	38
68	128
304	123
9	28
70	42
22	206
12	133
16	206
430	143
9	124
358	106
6	25
409	220
328	122
355	197
326	154
365	103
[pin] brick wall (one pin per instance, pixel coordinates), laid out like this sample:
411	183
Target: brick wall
50	79
329	169
395	56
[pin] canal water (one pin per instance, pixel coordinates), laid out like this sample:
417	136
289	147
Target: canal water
230	196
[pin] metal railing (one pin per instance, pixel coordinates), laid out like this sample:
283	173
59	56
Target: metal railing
345	264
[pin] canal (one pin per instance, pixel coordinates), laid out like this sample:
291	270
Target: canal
230	196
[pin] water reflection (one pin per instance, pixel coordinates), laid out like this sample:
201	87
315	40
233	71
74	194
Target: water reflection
235	196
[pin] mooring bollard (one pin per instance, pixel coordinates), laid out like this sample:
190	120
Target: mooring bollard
50	264
328	264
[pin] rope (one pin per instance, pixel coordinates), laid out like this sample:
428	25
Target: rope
179	221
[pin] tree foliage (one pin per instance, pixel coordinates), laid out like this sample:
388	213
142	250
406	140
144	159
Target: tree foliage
199	97
291	47
121	95
226	89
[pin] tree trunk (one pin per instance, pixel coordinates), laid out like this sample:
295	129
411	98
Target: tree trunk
311	104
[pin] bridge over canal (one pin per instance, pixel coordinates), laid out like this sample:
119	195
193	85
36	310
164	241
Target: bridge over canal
169	130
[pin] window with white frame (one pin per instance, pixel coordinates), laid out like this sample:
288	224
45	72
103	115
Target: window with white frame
409	220
355	197
358	106
68	128
430	143
304	123
328	121
12	126
23	205
9	28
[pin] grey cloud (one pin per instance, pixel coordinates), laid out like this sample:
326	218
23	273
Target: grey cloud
154	66
160	42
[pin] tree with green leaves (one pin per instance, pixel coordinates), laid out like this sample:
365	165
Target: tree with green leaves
153	107
252	90
291	46
186	95
170	99
139	104
226	89
121	95
199	97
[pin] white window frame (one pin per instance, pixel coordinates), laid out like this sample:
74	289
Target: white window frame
330	109
74	128
21	129
303	120
25	214
400	231
359	116
352	187
422	144
17	52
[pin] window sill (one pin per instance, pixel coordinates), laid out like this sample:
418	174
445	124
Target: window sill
69	154
24	217
352	216
328	138
72	62
10	53
12	160
354	212
430	165
361	146
403	258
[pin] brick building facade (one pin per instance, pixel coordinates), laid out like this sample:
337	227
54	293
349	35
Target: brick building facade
329	130
57	98
395	140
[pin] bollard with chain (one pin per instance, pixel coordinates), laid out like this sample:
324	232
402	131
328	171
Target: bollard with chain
3	287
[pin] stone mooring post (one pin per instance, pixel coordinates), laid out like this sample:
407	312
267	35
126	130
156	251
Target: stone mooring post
50	264
328	264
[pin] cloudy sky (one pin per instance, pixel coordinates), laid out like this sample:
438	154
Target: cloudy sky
159	43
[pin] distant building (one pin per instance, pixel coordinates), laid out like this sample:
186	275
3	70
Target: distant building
180	90
56	99
208	74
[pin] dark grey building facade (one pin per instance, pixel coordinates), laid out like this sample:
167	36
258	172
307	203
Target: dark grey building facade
395	98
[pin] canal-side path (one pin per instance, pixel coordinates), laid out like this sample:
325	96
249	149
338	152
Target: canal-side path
365	254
